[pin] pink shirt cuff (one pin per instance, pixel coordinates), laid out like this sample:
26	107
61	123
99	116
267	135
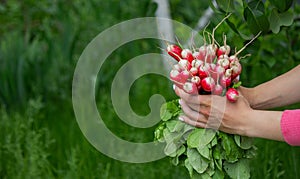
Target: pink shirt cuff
290	126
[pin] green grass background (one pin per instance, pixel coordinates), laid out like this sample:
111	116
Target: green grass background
40	43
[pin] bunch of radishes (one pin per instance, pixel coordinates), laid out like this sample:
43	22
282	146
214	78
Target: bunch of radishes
210	69
206	70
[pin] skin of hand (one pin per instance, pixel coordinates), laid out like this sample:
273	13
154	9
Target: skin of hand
212	111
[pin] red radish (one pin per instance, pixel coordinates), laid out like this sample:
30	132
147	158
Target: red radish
194	71
232	95
196	63
222	57
196	55
179	77
213	74
236	79
184	75
218	90
223	50
219	70
233	58
177	67
174	51
203	70
196	80
187	54
202	53
213	66
211	53
185	64
208	84
236	70
190	88
175	77
224	62
225	81
228	72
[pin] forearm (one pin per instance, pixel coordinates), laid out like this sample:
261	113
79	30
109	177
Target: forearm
280	91
264	124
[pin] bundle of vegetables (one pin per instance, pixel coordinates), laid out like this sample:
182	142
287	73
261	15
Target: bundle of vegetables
207	153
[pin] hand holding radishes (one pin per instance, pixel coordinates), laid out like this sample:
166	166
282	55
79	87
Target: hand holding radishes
213	111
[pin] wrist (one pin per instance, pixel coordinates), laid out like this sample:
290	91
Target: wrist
250	95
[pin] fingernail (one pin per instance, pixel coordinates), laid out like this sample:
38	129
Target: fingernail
179	101
180	119
174	87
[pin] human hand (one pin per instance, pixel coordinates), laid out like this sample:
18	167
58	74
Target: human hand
212	111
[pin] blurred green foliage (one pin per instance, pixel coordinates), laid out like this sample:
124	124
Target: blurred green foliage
40	43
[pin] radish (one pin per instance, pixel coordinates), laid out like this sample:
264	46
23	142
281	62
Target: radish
208	84
203	70
218	90
175	52
213	66
179	77
213	74
177	67
228	72
236	79
196	80
236	69
225	81
197	56
194	71
225	49
184	75
232	95
185	64
219	70
187	54
224	62
190	88
213	48
196	63
211	53
175	77
222	56
233	58
202	53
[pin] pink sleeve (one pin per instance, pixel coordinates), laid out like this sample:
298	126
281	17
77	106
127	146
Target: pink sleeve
290	126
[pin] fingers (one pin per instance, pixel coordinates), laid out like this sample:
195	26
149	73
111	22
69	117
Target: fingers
191	113
192	122
198	110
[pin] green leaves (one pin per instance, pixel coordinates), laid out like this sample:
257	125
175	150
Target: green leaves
255	17
280	19
226	6
168	110
281	5
205	153
198	162
238	170
200	138
264	16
